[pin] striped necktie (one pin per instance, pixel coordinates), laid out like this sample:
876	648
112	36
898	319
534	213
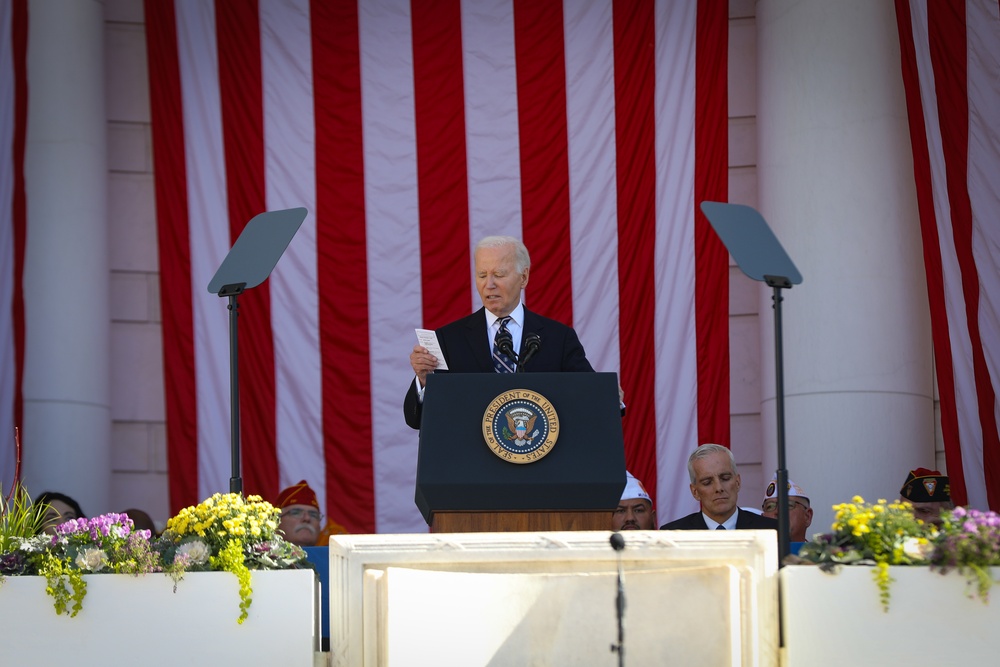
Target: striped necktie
501	362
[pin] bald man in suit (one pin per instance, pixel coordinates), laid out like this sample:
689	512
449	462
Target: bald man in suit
502	268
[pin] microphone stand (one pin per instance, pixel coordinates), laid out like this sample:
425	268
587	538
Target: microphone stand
618	544
532	343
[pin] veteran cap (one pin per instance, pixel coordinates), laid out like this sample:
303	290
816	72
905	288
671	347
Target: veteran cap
297	494
793	489
634	489
926	486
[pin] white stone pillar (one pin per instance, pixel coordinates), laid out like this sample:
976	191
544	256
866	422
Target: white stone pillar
835	182
67	420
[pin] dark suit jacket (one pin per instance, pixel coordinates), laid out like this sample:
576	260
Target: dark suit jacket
466	349
745	521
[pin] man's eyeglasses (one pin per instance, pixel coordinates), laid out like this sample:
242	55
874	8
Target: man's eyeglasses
297	513
772	505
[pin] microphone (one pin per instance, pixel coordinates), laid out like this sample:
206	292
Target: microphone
505	344
617	541
532	344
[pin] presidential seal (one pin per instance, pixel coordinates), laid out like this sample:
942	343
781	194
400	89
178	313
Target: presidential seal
520	426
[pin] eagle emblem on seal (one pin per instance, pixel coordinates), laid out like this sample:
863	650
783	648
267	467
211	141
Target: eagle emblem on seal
519	422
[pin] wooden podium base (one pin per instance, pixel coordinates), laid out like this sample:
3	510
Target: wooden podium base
504	522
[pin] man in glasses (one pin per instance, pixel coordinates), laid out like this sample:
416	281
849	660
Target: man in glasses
800	514
300	515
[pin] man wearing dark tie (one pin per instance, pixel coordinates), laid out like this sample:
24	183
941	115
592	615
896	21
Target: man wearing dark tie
716	485
484	341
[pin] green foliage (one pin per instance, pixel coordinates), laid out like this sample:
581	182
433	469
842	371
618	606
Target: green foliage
19	518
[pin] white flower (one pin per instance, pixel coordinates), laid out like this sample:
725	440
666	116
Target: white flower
196	551
91	558
915	550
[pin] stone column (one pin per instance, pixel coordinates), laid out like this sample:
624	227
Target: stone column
67	420
835	181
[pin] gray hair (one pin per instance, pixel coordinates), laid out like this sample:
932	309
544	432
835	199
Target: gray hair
707	450
521	259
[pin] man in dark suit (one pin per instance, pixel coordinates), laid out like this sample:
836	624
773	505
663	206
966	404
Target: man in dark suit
716	485
502	267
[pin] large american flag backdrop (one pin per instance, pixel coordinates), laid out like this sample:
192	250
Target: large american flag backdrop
409	130
951	72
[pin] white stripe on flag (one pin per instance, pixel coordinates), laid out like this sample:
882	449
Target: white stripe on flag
676	384
494	162
590	119
393	223
209	236
290	165
983	25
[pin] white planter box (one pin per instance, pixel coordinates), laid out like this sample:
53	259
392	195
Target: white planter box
141	621
837	619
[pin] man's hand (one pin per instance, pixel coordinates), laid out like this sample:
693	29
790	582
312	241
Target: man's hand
423	362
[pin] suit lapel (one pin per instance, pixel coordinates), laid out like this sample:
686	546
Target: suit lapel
532	324
475	328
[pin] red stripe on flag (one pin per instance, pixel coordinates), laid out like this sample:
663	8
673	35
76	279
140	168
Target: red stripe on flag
635	133
541	93
932	255
711	258
442	173
19	215
241	98
949	58
341	243
169	165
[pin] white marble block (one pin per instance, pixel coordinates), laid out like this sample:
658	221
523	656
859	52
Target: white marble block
469	599
144	620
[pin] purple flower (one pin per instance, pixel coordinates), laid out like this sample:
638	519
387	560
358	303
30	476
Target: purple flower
12	563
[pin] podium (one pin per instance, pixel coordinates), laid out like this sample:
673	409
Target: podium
467	481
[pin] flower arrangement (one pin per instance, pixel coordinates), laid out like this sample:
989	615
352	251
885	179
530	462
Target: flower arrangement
105	543
223	533
884	534
880	534
969	541
230	533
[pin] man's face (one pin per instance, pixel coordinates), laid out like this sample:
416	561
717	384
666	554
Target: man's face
929	513
300	524
634	514
497	280
716	486
800	516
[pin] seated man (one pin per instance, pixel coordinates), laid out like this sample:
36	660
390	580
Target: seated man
635	509
300	515
800	515
929	492
716	485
